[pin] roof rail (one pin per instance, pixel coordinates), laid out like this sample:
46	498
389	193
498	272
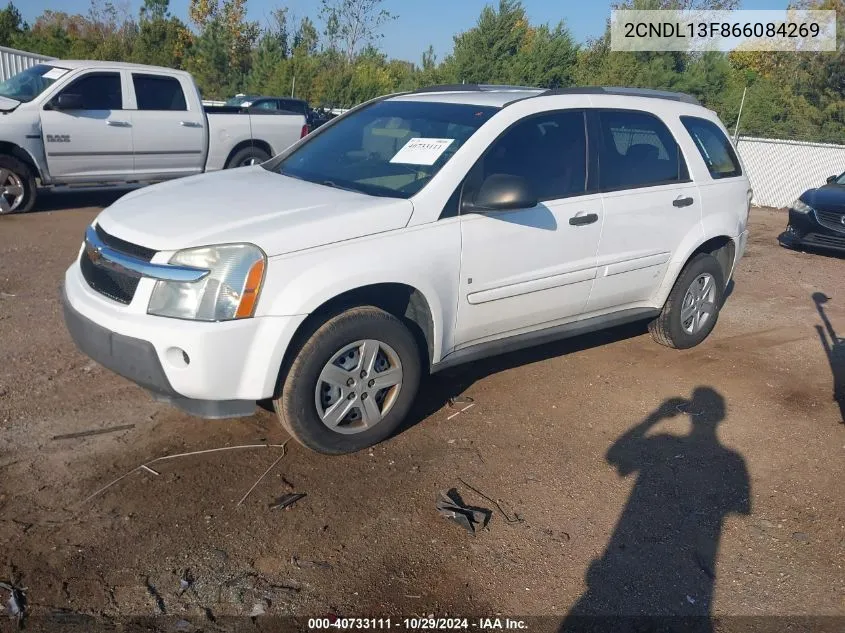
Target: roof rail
471	88
629	92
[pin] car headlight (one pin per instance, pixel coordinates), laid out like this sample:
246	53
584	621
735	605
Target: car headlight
229	291
800	206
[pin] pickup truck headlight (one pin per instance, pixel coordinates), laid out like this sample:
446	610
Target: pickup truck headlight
229	291
802	207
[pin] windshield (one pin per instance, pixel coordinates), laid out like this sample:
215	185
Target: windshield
30	83
391	148
840	180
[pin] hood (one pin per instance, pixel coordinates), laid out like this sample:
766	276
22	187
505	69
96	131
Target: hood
249	204
7	105
827	198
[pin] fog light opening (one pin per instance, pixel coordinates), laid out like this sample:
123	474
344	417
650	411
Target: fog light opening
178	357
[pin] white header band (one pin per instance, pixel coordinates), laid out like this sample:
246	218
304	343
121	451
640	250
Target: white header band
794	30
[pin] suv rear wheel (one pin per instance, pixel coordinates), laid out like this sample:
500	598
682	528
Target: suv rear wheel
351	383
691	311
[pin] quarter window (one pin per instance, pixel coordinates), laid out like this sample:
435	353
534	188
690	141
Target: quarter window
637	150
158	93
99	91
714	147
549	151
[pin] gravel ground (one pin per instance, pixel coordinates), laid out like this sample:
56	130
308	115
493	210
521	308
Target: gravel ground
645	480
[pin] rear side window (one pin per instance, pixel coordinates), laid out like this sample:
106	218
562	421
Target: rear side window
548	150
292	106
637	150
158	93
267	104
714	147
100	91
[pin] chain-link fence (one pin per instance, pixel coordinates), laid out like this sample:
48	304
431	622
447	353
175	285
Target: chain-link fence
781	170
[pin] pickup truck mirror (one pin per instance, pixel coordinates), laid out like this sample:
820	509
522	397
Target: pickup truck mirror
502	192
831	179
67	101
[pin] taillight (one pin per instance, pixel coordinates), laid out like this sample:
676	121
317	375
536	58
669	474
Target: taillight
305	131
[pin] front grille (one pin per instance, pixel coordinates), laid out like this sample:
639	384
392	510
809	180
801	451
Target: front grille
831	220
123	246
115	285
825	240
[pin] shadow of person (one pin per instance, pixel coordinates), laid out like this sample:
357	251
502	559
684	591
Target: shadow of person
658	570
834	348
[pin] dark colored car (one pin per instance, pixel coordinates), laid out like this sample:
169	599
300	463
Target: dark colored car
300	106
320	116
817	218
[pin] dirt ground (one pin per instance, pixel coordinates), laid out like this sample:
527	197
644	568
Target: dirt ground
642	479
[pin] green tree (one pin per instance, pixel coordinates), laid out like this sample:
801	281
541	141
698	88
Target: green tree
162	39
270	54
353	24
12	26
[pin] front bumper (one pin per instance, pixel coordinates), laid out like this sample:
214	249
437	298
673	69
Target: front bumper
137	360
212	370
805	231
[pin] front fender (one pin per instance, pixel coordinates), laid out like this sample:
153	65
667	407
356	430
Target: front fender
426	258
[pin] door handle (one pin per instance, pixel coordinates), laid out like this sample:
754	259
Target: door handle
579	220
682	202
118	123
190	124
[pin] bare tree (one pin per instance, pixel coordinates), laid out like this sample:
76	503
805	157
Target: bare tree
353	24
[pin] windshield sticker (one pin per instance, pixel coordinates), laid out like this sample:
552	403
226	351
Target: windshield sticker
422	151
54	73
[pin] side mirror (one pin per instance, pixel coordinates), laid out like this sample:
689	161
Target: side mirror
68	101
831	179
502	192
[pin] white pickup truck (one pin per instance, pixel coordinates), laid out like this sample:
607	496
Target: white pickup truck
94	122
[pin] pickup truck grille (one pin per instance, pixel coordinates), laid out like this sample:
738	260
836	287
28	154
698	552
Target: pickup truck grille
115	285
831	220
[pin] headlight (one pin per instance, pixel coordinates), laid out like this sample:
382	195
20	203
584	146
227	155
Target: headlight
801	207
229	291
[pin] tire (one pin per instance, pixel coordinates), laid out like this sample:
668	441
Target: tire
14	173
297	406
242	157
670	328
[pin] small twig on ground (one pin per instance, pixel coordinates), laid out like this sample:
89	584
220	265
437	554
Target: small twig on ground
515	519
258	481
175	456
112	429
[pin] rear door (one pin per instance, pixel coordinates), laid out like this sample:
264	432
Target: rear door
94	140
169	137
650	205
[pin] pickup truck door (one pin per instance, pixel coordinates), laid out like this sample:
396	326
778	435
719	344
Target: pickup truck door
525	269
169	130
87	131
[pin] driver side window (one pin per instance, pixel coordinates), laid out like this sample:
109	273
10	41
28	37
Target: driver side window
98	91
549	151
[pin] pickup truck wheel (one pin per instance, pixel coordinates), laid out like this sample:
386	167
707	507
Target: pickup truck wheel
351	383
691	311
17	186
248	156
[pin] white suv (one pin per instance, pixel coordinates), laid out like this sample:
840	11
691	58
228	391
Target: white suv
415	232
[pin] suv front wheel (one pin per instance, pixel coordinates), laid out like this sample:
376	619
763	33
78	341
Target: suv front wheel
352	383
691	311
